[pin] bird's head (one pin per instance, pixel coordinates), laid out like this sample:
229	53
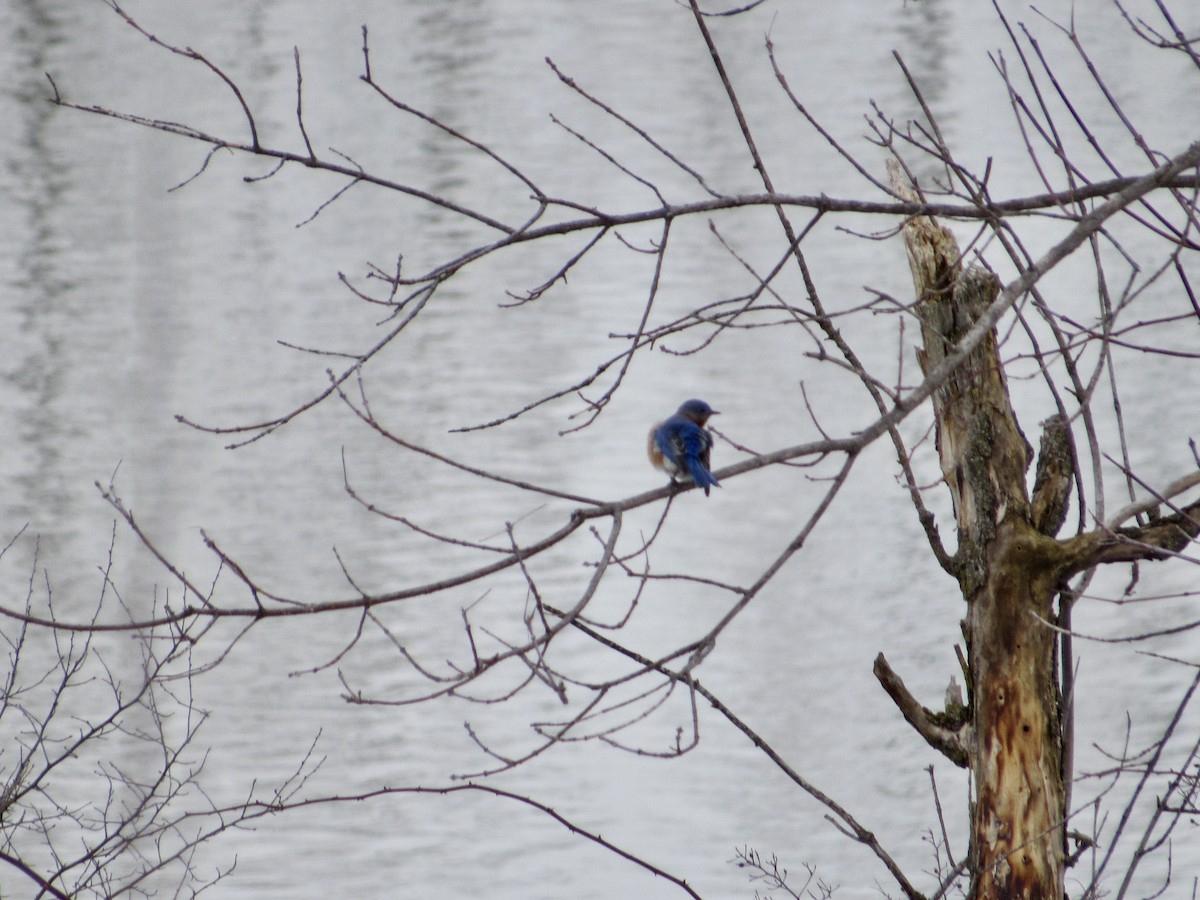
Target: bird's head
697	410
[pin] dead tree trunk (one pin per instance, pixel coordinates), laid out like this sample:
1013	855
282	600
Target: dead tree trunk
1017	842
1010	568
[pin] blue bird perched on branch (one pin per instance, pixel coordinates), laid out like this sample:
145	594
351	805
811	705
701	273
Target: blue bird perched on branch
680	446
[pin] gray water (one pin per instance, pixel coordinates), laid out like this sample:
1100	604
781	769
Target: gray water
126	304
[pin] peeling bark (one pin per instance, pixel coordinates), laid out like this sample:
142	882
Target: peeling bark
1019	813
1009	568
1008	571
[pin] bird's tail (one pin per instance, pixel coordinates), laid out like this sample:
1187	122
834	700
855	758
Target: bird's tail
700	475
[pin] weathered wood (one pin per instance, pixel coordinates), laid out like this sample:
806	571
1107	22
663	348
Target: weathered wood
1008	571
1009	568
1017	827
948	732
1055	472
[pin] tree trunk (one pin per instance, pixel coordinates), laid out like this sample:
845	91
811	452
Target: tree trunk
1008	572
1009	568
1019	805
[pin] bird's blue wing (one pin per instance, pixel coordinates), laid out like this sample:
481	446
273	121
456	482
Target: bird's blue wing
669	447
689	450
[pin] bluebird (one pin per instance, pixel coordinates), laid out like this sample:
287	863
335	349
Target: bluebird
680	446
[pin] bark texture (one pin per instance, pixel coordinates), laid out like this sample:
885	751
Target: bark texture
1008	570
